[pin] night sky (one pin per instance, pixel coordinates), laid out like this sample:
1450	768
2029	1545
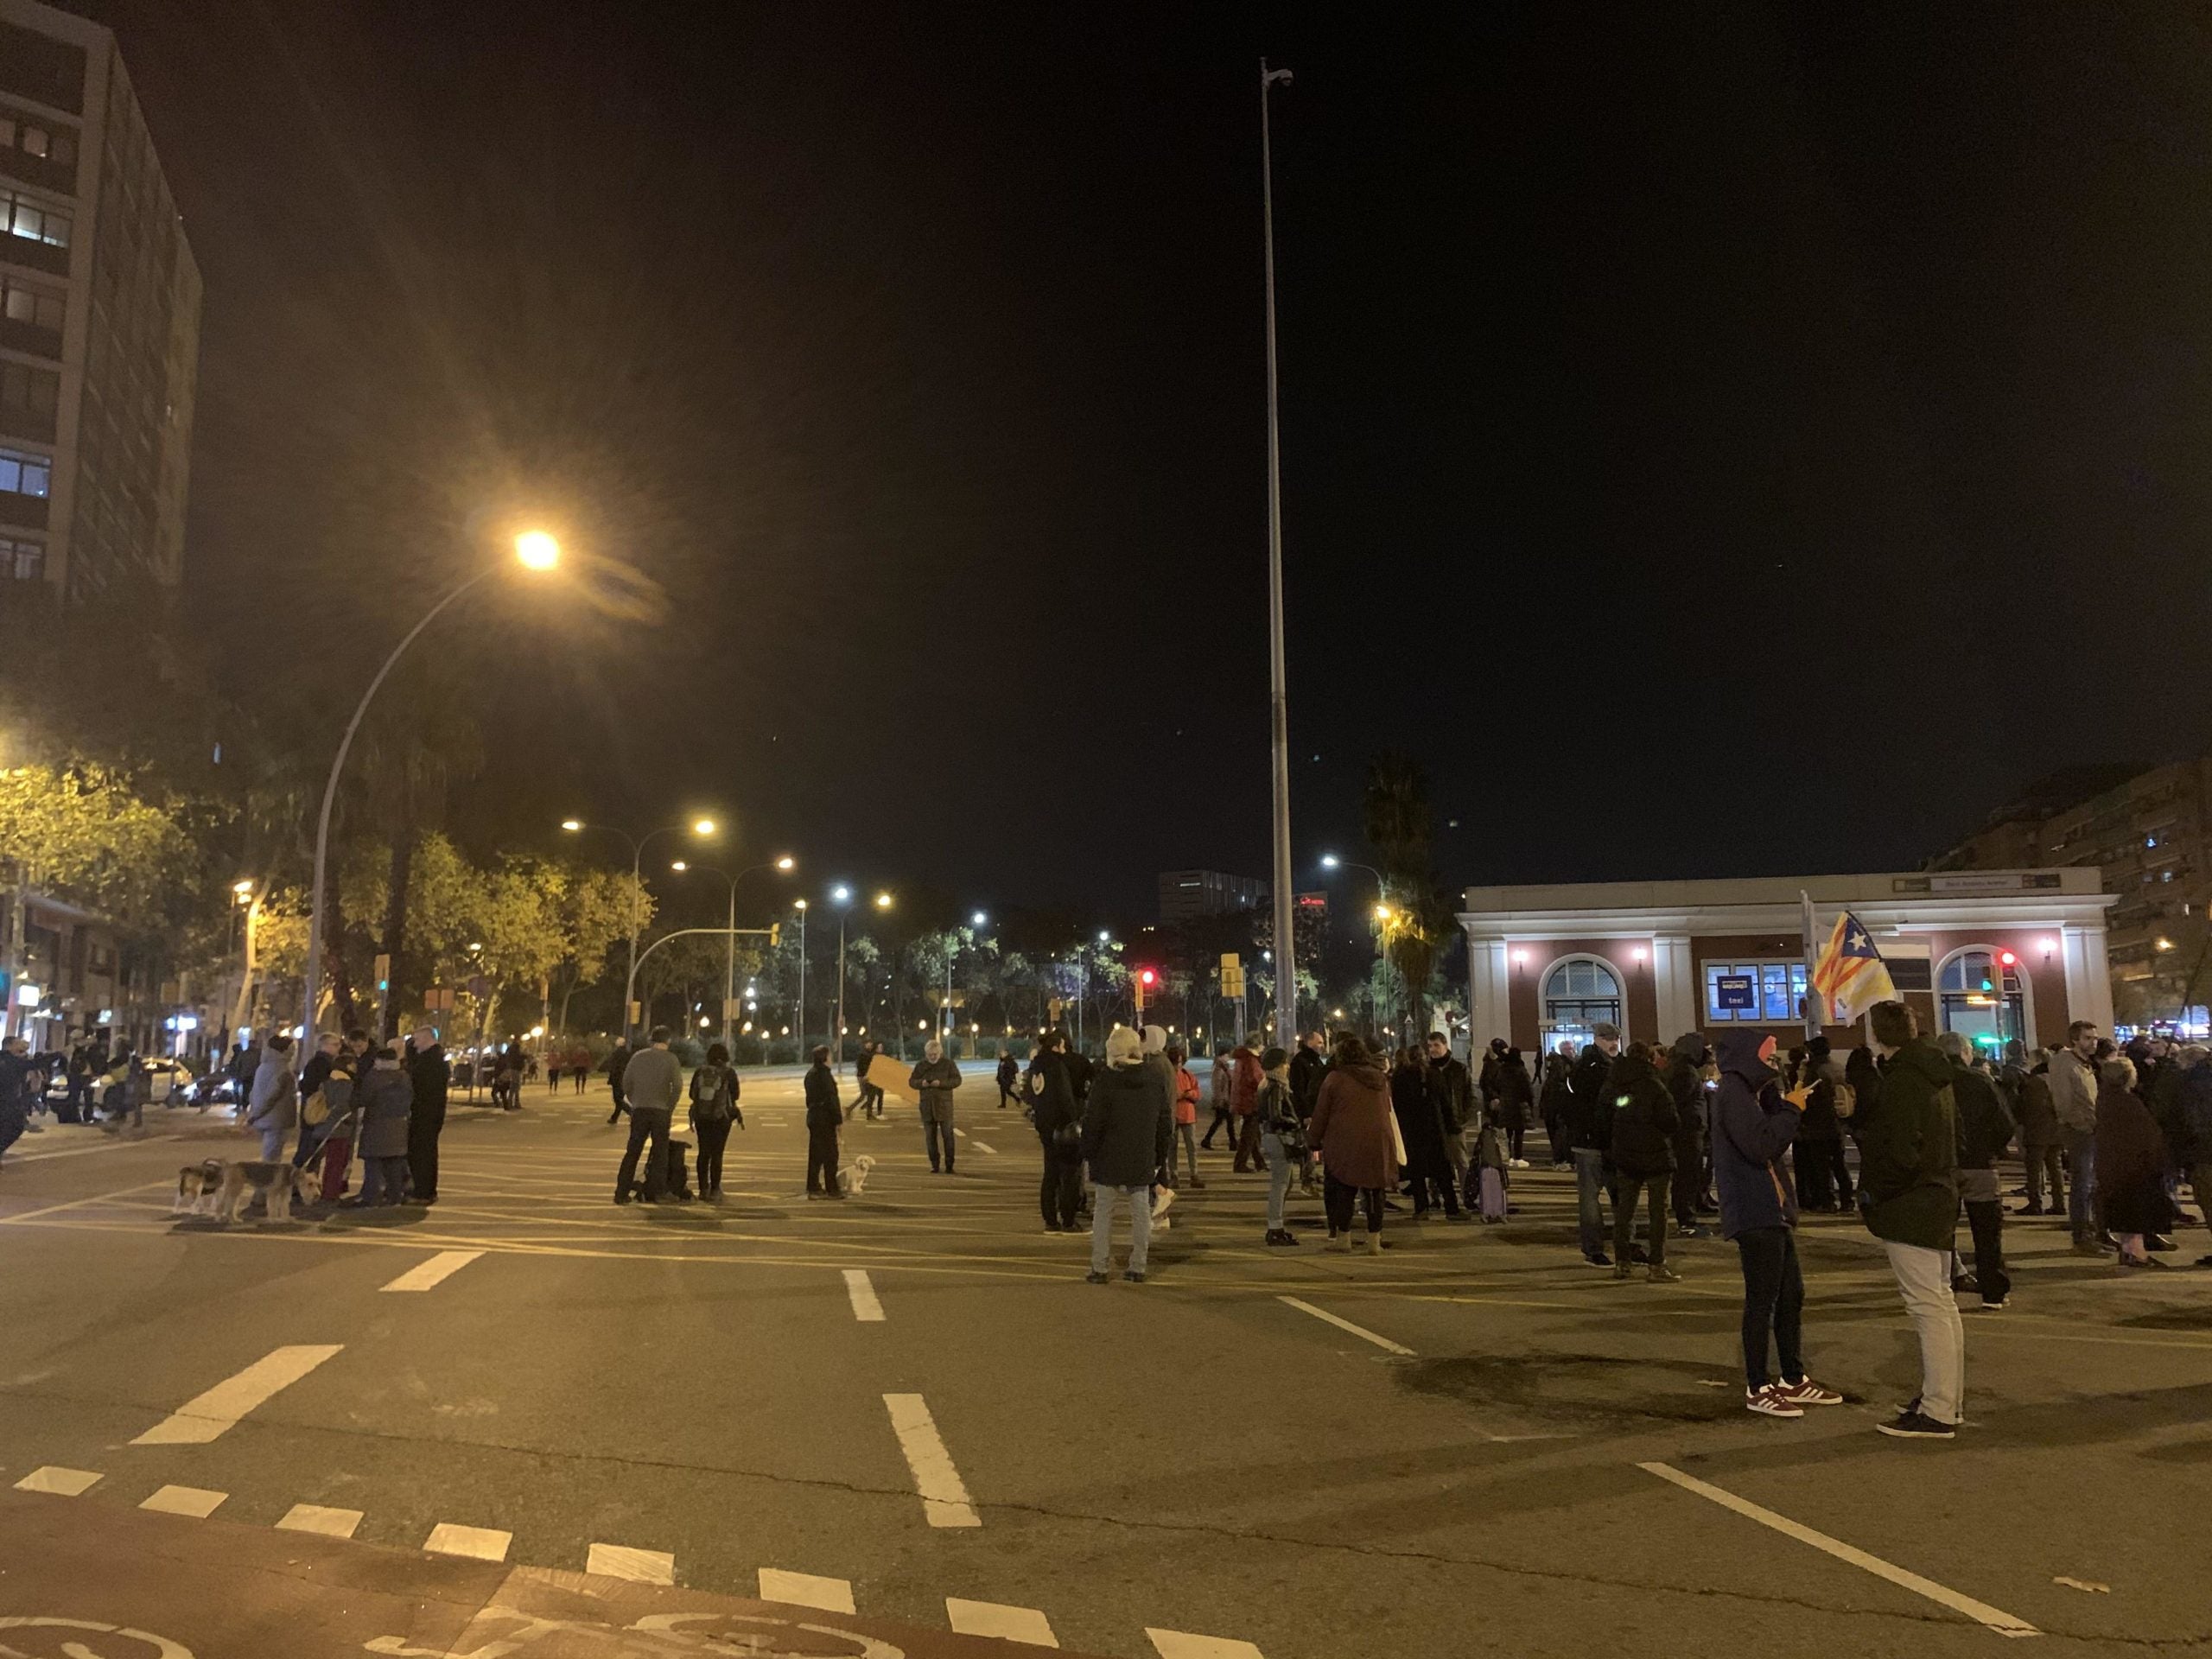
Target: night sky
1717	441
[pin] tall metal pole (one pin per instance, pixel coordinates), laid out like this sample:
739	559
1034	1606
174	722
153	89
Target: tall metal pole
729	978
1286	961
802	977
837	1036
312	987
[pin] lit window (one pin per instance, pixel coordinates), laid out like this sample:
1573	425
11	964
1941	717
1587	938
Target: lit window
34	220
1754	993
23	474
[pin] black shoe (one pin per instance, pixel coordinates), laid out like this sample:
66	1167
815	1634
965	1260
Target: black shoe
1965	1285
1134	1278
1051	1226
1281	1235
2028	1209
1916	1426
1093	1277
621	1197
1639	1256
2157	1241
1598	1259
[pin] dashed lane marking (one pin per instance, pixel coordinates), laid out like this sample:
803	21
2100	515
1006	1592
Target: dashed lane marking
805	1590
945	1502
1980	1611
1008	1624
62	1482
196	1502
435	1271
98	1197
1181	1644
204	1418
866	1309
980	1146
325	1522
478	1543
1359	1330
638	1566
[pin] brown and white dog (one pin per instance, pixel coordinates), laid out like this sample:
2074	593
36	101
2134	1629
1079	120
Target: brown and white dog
222	1190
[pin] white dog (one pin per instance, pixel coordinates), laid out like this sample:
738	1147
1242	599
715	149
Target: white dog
852	1180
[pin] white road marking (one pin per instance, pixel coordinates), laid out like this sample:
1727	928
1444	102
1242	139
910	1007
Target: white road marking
62	1482
167	1181
994	1151
638	1566
1980	1611
944	1499
866	1309
201	1419
436	1270
1181	1644
962	1134
479	1543
804	1590
1008	1624
314	1517
194	1501
1359	1330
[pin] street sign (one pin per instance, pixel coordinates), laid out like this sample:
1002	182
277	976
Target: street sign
637	1012
1736	994
438	1000
1054	1005
734	1007
1231	962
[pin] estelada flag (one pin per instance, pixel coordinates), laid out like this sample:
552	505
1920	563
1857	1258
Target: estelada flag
1850	972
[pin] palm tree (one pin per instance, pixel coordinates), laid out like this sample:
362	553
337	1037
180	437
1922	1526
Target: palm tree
1418	914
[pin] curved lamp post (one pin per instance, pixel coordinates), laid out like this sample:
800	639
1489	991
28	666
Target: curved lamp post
701	828
534	551
787	863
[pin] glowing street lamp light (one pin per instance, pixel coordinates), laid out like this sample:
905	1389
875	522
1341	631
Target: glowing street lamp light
702	826
538	550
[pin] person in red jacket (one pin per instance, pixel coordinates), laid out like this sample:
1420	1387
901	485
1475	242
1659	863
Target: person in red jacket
1186	1115
1244	1100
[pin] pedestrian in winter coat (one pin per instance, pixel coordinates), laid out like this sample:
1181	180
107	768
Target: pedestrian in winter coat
714	1112
1753	1127
1282	1138
1985	1130
824	1113
1244	1100
385	1098
1590	1113
1554	1101
1421	1127
617	1063
1059	1120
431	1079
1685	1080
2196	1064
1009	1076
1223	1099
1511	1097
2041	1143
1909	1192
1823	1179
1643	1139
2074	1089
274	1105
651	1085
1161	1070
1126	1125
2131	1165
1307	1067
1186	1119
935	1079
1351	1131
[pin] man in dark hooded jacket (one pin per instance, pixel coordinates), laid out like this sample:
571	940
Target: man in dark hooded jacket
1685	1080
1985	1131
1643	1141
1590	1117
432	1078
1909	1190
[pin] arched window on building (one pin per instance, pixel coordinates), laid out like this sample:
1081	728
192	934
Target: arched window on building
1980	995
1578	992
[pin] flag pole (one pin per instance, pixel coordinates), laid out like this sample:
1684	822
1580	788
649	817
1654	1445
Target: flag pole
1812	1009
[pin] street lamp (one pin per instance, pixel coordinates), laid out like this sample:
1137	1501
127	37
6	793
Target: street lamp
844	896
729	981
700	827
534	551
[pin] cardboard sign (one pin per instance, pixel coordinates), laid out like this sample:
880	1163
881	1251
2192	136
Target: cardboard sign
890	1075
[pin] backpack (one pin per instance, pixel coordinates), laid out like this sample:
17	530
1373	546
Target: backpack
712	1102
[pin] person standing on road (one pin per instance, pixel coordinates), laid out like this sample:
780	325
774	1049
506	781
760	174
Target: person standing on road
1555	1100
870	1103
2195	1064
714	1109
1058	1121
2041	1143
1985	1130
825	1112
387	1102
1644	1126
1590	1118
430	1078
1752	1127
1218	1097
1244	1100
1509	1108
15	1082
1451	1093
618	1066
1307	1067
1009	1076
1126	1125
1351	1130
1908	1191
1186	1119
2130	1165
935	1079
1685	1080
2073	1089
653	1082
274	1105
1282	1138
313	1078
1421	1127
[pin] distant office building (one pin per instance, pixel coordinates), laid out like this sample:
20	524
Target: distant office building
2149	837
1186	895
99	319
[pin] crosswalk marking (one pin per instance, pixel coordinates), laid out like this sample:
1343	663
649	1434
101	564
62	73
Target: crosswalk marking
980	1146
945	1502
1181	1644
194	1501
1008	1624
62	1482
326	1523
202	1419
866	1309
804	1590
479	1543
437	1270
638	1566
1360	1331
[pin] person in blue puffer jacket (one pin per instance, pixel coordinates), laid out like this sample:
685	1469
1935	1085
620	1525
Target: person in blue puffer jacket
1753	1127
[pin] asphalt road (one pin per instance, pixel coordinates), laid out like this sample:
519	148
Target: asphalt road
684	1428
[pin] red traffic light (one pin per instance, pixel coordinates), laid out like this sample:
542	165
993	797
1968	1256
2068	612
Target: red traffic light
2008	959
1147	977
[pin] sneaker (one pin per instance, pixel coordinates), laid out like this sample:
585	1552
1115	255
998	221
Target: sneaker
1638	1255
2157	1241
1996	1306
1806	1392
1598	1259
1093	1277
1660	1274
1516	1163
1051	1226
1134	1278
1916	1426
1281	1235
1966	1284
2088	1247
1621	1270
1769	1402
1692	1232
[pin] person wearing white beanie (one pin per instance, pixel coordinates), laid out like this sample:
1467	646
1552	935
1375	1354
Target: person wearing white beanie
1127	1123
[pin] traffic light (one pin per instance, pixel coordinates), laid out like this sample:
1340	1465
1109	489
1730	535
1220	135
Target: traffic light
383	972
1146	980
775	935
